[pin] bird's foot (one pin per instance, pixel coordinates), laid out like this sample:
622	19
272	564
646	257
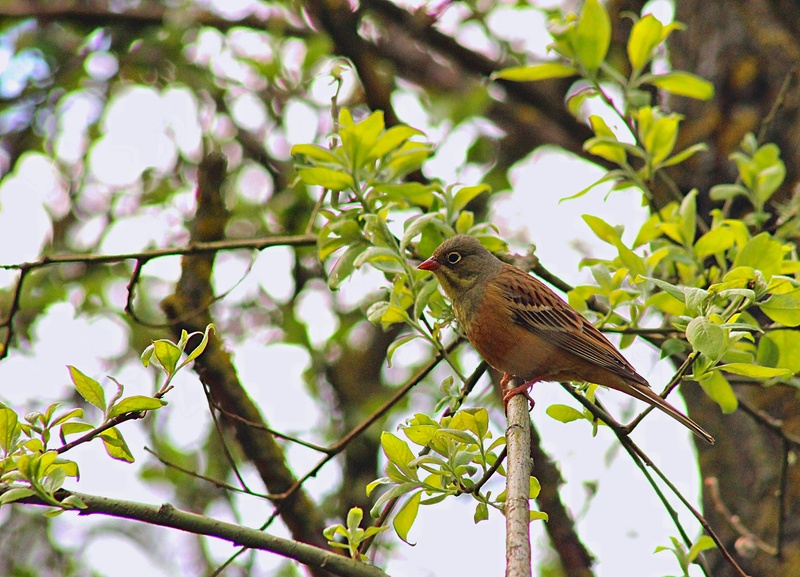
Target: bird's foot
523	389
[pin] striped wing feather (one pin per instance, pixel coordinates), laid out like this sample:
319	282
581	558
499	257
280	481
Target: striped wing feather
534	306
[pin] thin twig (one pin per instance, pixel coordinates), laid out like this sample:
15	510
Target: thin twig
712	484
225	449
780	98
632	449
196	475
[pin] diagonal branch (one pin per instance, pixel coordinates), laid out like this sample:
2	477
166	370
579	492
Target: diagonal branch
168	516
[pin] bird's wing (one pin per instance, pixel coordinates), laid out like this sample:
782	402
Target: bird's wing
534	306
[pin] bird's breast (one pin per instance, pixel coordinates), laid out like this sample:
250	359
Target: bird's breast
505	345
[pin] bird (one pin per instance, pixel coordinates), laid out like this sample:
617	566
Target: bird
523	329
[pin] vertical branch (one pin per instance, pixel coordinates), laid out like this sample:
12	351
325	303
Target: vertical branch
517	509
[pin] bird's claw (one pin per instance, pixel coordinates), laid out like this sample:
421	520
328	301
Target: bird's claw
523	389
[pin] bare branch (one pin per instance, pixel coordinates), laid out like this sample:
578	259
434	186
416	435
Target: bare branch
168	516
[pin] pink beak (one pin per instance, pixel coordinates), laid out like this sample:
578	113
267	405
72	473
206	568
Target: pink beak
430	265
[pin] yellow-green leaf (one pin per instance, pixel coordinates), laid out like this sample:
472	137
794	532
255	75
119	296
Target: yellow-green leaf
543	71
136	403
592	35
8	430
406	516
115	445
783	308
466	194
754	371
316	152
564	413
645	36
88	388
715	241
780	349
720	391
683	84
326	178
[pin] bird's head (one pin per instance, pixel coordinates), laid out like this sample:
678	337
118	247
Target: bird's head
460	263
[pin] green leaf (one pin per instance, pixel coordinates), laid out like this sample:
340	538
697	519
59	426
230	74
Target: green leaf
684	154
763	253
481	512
688	212
783	308
136	403
69	415
74	427
354	517
345	265
416	226
326	178
74	502
720	391
392	139
397	343
376	310
534	488
316	152
727	191
465	222
466	194
668	288
167	354
9	432
198	350
409	192
702	544
543	71
383	259
696	299
769	180
406	516
706	337
564	413
683	84
715	241
754	371
612	175
397	451
780	349
609	148
645	36
15	494
394	314
659	139
537	516
592	35
602	229
88	388
115	445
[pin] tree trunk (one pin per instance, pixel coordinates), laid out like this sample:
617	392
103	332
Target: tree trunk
747	48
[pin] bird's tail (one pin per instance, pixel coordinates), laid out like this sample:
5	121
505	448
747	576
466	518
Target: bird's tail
646	394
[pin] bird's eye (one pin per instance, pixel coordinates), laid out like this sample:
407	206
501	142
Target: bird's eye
453	257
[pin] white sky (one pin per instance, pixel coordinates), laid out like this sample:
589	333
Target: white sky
144	129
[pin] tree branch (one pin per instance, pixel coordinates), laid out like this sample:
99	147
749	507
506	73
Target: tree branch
517	507
168	516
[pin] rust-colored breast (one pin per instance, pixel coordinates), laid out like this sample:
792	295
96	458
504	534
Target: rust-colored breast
504	344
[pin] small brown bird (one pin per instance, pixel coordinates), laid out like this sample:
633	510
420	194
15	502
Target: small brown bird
523	329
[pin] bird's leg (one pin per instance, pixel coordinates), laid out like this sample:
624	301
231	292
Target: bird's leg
523	389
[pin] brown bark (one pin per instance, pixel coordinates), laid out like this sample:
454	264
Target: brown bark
747	48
